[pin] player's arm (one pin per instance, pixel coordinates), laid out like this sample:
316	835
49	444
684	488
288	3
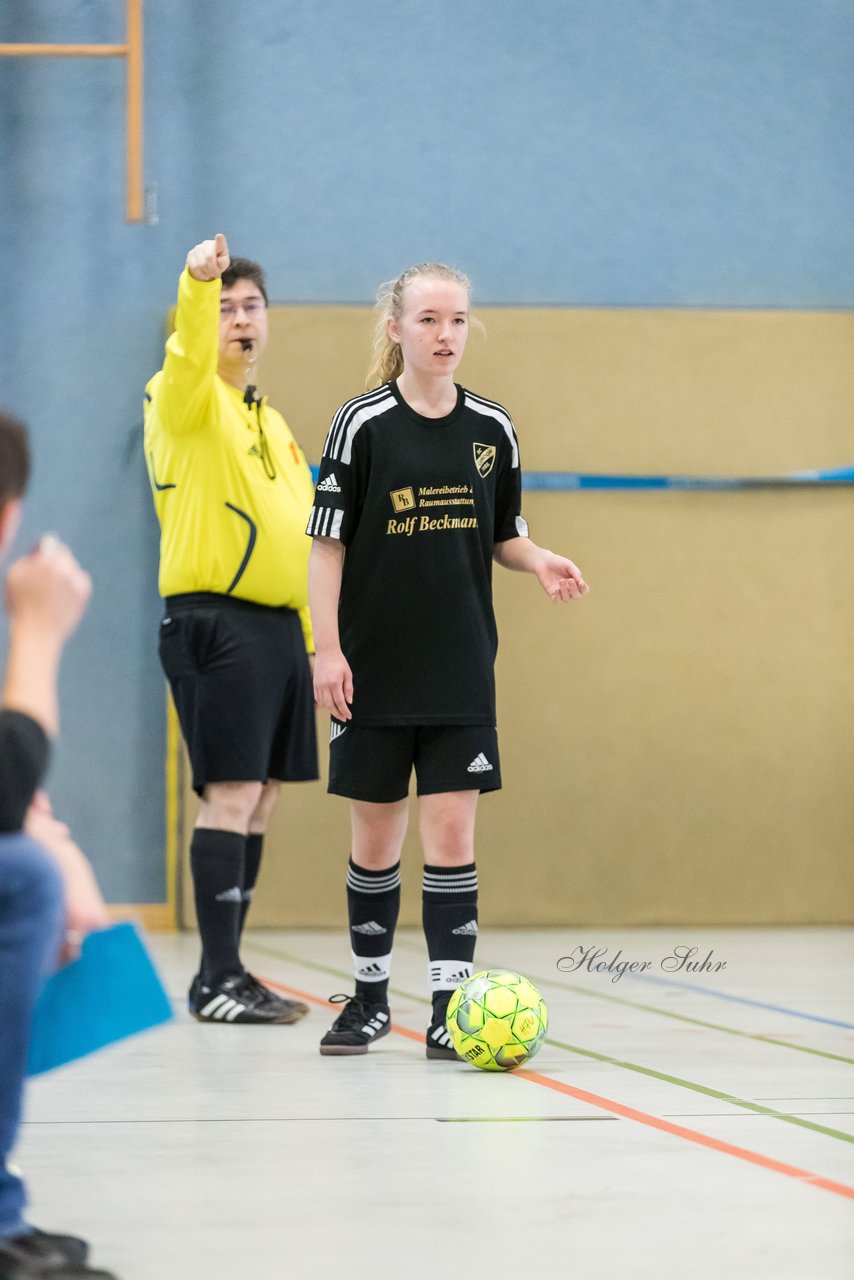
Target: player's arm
513	549
46	595
560	578
184	390
333	679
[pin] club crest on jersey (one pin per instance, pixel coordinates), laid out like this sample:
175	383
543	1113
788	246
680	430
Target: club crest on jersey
402	499
484	458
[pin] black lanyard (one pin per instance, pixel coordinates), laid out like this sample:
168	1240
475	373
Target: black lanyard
251	398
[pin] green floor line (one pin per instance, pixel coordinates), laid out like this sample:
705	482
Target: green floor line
668	1013
592	1054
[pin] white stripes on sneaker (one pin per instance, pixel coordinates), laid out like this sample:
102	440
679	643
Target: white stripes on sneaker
440	1036
372	884
465	881
222	1008
375	1024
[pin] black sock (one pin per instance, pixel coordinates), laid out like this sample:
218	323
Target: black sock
251	866
373	903
216	859
449	914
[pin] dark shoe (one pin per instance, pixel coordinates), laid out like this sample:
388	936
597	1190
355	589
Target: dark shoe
358	1025
50	1247
237	999
295	1009
21	1260
439	1043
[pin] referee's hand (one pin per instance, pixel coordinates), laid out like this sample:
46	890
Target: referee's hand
333	684
208	260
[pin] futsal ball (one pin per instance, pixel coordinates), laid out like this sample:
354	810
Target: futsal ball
497	1020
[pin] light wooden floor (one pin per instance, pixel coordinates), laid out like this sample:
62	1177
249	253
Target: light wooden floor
693	1126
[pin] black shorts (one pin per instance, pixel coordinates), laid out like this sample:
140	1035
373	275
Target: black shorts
242	688
375	763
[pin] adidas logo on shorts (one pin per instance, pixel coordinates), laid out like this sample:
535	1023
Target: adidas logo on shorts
372	929
480	764
335	730
329	485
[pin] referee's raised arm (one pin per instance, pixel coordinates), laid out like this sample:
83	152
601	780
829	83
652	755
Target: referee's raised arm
192	349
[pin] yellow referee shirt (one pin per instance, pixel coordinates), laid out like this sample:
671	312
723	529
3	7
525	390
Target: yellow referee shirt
231	486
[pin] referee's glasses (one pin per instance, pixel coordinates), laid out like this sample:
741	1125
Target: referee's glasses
252	308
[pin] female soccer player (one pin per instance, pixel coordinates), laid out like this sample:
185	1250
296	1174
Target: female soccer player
419	491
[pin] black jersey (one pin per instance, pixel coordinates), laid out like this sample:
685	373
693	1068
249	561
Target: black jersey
24	752
419	504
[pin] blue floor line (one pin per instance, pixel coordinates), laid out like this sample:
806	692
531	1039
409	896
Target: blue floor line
757	1004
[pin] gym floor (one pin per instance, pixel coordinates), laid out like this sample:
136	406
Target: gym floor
674	1124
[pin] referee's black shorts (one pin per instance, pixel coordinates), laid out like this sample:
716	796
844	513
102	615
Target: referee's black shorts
242	688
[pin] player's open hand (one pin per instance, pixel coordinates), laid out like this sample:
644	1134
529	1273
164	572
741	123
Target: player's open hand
208	260
561	579
333	684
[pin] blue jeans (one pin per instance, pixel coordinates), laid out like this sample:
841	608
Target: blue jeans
31	915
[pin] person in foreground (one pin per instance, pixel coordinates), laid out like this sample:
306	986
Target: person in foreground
232	491
419	491
46	885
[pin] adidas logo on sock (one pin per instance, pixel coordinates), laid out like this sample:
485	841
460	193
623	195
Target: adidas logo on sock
230	895
329	485
371	971
335	730
371	928
480	764
468	930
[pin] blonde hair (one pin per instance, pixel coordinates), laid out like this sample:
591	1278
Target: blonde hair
387	355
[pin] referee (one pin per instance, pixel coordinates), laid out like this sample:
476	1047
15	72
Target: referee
232	491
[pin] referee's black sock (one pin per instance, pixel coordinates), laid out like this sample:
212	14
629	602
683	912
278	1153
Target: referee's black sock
373	903
449	914
216	859
251	866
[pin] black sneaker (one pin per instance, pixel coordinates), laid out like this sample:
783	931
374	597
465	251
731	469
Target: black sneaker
237	999
358	1025
21	1260
439	1043
295	1008
50	1247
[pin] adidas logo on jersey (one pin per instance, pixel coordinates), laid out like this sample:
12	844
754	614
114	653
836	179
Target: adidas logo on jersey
468	930
371	928
329	485
335	730
480	764
230	895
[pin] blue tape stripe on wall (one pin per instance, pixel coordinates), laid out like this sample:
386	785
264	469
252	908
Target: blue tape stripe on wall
565	481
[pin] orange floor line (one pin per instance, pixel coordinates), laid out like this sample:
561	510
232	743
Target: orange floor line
628	1113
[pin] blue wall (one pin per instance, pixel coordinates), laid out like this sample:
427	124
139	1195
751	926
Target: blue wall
695	153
